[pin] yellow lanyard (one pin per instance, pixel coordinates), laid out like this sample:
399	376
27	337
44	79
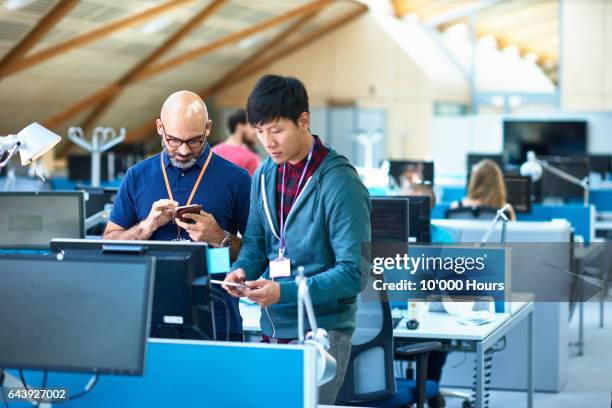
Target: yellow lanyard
197	183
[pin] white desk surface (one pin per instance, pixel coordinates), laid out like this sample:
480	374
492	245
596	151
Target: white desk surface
435	326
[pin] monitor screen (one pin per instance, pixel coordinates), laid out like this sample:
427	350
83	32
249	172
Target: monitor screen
601	163
406	172
419	222
554	186
79	168
545	138
98	198
32	219
180	308
389	220
473	159
80	314
519	192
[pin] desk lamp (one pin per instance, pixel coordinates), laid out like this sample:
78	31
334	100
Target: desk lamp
31	142
535	167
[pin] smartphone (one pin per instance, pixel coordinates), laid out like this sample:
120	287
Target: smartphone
186	209
236	285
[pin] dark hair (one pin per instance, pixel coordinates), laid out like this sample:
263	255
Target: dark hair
237	118
275	97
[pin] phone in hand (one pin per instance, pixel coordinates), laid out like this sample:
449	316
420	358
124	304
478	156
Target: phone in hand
186	209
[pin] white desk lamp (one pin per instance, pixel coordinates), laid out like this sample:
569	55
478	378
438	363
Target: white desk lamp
31	142
501	215
535	167
326	363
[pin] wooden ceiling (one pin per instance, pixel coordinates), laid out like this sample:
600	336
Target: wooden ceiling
91	62
530	25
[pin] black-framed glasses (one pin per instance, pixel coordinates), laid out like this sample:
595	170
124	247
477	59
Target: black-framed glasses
192	143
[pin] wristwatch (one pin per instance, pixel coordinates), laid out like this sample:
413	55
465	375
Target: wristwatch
226	241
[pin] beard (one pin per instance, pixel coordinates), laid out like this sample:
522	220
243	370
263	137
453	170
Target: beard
182	164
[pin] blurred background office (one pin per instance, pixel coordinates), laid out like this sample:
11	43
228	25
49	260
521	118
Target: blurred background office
411	91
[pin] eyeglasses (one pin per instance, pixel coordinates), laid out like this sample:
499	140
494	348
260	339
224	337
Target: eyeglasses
192	143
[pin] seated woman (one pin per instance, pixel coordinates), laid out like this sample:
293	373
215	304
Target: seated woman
486	188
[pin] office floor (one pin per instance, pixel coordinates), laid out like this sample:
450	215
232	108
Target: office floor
589	382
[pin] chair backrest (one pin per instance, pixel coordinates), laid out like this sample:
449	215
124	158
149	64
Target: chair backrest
370	375
471	213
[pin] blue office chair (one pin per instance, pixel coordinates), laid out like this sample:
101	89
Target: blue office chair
471	213
369	379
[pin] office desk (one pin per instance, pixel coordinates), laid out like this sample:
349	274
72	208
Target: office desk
443	327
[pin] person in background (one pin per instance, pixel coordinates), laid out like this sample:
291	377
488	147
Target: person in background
486	188
238	147
437	359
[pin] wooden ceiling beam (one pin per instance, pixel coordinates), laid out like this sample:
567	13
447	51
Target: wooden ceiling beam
231	38
117	86
110	90
274	43
154	56
94	35
46	24
148	127
142	131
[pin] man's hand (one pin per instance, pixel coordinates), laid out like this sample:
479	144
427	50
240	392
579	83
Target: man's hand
160	214
263	292
205	228
236	276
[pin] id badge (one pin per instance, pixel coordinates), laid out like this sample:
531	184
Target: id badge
280	268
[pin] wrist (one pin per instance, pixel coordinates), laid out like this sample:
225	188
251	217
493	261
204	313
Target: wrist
218	237
147	228
225	241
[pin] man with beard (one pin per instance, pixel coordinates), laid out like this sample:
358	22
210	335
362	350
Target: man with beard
238	148
185	172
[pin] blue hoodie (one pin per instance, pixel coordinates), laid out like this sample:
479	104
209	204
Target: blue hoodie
325	230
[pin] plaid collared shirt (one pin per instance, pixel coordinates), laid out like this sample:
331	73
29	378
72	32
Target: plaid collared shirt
292	176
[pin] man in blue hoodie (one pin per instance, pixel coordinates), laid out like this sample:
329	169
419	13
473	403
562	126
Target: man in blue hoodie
308	208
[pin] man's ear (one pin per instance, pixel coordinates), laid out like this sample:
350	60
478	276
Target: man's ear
158	124
207	128
304	122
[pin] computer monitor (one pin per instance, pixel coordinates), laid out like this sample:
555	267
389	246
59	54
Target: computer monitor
419	217
412	172
519	191
97	198
545	138
554	186
182	299
389	220
601	163
31	219
79	168
81	314
474	158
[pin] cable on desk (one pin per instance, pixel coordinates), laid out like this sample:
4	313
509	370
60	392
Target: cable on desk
503	340
462	361
221	298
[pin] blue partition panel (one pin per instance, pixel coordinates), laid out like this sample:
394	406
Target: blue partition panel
202	374
580	217
452	193
601	198
437	213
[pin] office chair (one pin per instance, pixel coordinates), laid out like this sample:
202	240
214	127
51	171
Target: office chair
369	379
471	213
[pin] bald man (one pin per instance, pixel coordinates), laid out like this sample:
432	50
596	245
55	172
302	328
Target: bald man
185	172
